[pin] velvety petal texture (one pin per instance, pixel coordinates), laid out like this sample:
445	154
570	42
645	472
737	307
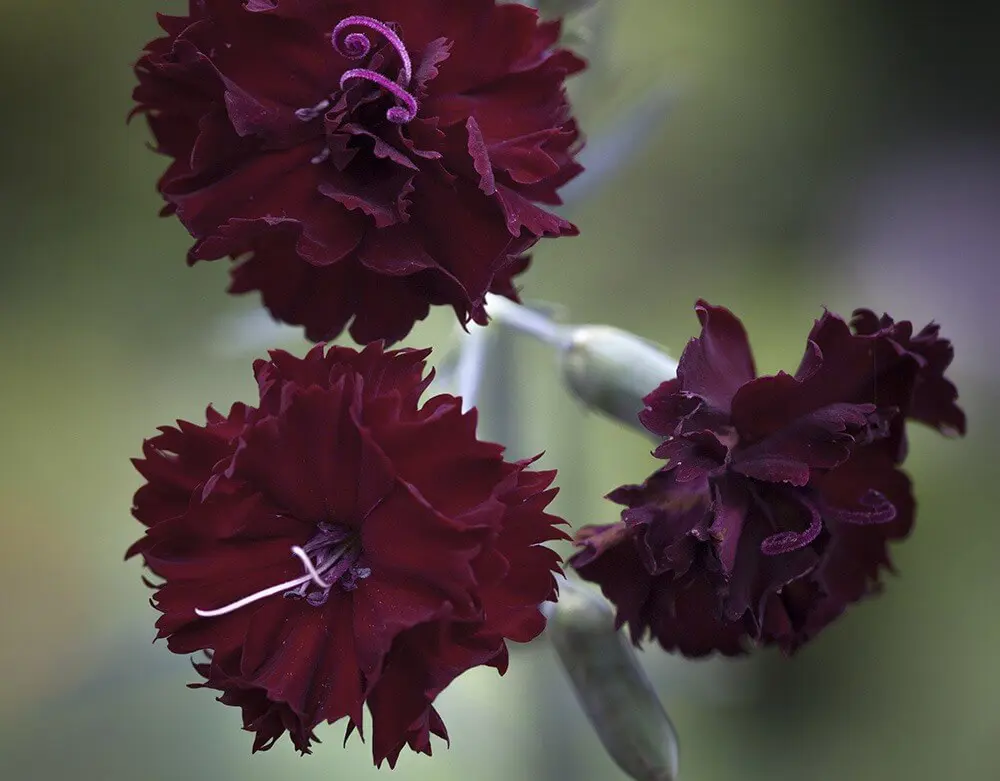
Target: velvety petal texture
341	546
780	494
363	159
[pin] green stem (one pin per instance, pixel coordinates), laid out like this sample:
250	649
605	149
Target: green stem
608	369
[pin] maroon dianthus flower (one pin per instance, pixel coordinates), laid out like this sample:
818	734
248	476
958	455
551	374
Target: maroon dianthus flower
369	158
340	546
780	494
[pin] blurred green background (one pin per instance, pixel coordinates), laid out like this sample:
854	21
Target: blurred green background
819	153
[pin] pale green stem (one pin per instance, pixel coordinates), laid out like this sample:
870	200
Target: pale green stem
608	369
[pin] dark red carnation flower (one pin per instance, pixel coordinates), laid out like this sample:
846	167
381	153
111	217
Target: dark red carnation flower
780	494
339	545
369	157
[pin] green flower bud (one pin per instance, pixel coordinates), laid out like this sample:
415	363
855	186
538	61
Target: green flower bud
612	688
611	370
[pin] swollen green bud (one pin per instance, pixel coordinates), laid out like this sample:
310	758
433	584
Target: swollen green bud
612	370
612	688
608	369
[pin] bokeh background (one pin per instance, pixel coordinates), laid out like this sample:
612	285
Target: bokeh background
774	157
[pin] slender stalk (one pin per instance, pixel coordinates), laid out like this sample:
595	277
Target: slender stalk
471	364
528	321
608	369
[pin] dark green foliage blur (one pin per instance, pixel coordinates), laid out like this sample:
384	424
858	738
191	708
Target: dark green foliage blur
814	154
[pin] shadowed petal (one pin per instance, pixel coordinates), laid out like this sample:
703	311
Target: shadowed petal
715	365
780	494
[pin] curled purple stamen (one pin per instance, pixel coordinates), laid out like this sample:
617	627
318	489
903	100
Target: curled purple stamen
786	542
356	45
398	114
875	508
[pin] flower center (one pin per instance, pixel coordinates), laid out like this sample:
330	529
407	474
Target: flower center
329	558
336	550
356	46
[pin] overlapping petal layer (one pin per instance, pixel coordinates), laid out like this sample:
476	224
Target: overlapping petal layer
428	548
338	212
780	494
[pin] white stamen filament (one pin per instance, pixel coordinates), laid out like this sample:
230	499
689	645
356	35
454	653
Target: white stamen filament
311	574
304	557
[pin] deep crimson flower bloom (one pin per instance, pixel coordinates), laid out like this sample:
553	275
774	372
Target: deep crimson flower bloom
369	157
417	548
780	493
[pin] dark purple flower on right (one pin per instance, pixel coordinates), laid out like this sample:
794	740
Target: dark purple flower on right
780	493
